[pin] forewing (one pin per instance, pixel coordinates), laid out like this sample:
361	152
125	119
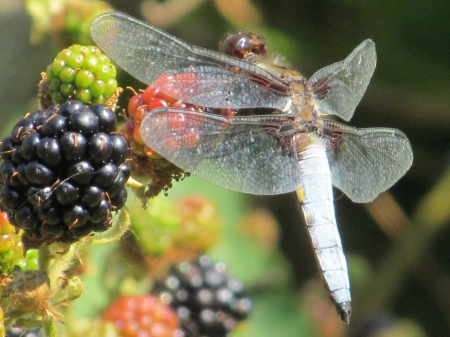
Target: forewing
339	87
366	162
212	79
244	154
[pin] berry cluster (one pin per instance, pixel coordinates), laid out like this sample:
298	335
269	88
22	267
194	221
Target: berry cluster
142	316
180	230
63	172
144	161
83	73
139	105
161	95
206	298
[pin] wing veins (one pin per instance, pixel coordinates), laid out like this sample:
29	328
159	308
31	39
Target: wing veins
372	158
245	157
122	38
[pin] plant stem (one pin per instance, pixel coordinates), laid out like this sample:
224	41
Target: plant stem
44	257
49	328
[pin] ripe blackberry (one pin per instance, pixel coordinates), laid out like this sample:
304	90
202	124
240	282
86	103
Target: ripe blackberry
83	73
206	298
142	315
63	172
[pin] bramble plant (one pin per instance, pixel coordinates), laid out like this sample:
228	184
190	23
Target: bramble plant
63	176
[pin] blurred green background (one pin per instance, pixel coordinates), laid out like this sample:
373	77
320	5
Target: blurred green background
399	256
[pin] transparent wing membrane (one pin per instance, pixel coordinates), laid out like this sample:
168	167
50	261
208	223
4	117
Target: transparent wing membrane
221	81
339	87
366	162
252	154
244	154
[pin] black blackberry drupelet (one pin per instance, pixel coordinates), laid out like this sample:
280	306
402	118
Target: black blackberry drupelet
208	300
63	172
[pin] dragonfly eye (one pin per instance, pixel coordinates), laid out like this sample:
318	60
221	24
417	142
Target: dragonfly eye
242	44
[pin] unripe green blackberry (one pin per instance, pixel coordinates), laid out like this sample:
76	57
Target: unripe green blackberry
208	300
67	22
63	172
11	249
72	21
29	261
83	73
187	227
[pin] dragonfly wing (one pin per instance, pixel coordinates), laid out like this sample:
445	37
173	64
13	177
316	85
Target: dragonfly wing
339	87
239	153
366	162
220	81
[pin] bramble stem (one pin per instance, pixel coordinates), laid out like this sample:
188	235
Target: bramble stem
50	329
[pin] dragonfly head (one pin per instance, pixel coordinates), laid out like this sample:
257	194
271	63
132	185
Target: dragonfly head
243	45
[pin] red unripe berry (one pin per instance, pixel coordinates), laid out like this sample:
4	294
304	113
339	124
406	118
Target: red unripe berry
135	102
142	316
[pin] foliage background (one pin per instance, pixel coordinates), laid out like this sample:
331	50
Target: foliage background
398	249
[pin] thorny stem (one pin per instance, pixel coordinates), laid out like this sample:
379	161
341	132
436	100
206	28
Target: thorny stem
50	329
56	260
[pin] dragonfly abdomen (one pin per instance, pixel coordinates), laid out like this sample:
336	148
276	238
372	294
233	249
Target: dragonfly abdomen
316	197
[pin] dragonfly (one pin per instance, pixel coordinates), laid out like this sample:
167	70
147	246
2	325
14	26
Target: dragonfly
296	147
